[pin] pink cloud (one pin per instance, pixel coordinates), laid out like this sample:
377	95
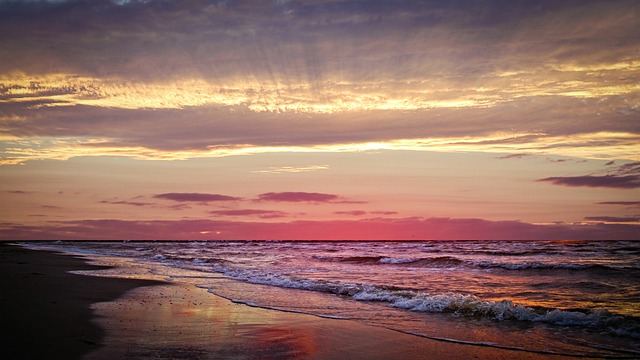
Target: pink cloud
352	212
384	212
199	197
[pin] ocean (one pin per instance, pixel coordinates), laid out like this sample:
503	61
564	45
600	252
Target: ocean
559	297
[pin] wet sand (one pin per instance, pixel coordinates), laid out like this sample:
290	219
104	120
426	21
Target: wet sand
52	313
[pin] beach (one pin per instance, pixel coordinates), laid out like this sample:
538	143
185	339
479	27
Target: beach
46	310
53	313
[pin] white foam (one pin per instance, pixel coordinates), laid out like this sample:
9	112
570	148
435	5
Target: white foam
458	304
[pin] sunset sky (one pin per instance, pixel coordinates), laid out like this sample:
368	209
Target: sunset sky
342	119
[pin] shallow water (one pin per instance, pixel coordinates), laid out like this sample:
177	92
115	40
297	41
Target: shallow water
569	297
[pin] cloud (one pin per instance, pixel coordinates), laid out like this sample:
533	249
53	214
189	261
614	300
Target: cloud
623	203
384	212
366	229
606	181
263	214
246	77
291	169
50	207
199	197
613	219
351	213
124	202
625	176
299	197
629	169
514	156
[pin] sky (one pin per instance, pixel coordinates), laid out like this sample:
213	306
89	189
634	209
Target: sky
317	119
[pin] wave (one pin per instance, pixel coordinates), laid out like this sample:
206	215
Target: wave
359	259
457	304
550	266
439	261
454	262
515	252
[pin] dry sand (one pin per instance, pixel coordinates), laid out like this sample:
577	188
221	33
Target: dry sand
54	314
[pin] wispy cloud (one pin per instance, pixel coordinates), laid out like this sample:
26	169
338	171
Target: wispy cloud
264	214
351	212
623	203
124	202
621	146
196	197
513	156
626	176
292	196
384	212
291	169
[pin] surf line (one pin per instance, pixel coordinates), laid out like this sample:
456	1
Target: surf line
253	305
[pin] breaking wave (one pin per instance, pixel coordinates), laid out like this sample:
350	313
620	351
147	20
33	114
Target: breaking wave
454	262
456	304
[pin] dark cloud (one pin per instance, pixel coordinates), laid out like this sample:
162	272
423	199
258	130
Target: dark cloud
629	169
144	39
625	176
298	197
623	203
198	197
613	218
606	181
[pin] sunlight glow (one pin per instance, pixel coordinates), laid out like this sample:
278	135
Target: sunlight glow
335	95
602	145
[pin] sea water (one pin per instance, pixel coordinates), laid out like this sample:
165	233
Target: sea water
564	297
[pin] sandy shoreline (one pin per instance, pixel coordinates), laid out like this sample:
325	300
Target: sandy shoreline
51	311
46	309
